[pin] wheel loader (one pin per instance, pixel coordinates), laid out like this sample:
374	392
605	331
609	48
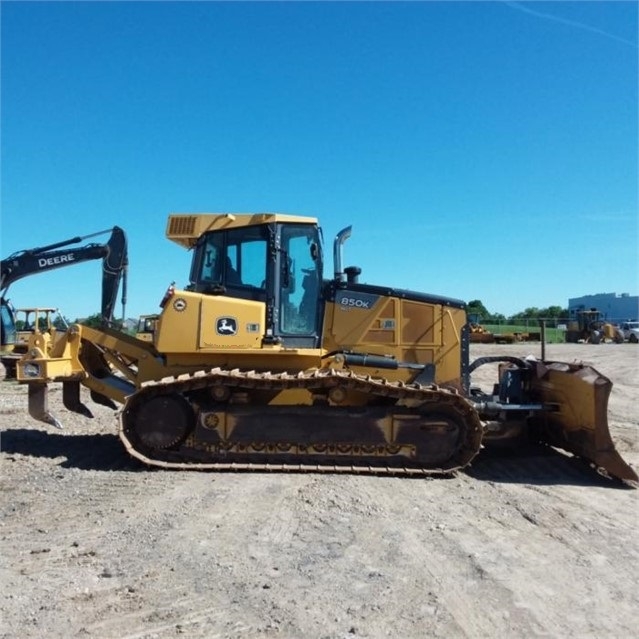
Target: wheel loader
589	327
263	362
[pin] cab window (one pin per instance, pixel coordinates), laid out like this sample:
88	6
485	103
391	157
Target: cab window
300	279
210	262
246	264
236	259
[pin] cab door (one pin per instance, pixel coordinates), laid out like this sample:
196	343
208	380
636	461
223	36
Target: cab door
298	285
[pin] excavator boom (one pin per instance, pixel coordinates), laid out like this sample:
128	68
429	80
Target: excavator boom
113	254
28	262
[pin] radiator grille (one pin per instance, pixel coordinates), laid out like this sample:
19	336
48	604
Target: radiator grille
182	226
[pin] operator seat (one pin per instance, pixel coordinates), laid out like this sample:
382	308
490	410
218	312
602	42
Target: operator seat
231	276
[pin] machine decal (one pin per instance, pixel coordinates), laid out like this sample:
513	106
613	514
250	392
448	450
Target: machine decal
387	324
179	305
226	326
349	299
54	261
252	328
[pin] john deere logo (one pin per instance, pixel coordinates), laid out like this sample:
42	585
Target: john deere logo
226	326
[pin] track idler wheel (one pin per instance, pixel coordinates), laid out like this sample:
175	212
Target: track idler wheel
444	437
162	422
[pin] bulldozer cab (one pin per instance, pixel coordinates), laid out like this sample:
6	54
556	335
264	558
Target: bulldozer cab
274	260
19	323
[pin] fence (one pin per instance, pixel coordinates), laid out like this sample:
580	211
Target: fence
555	327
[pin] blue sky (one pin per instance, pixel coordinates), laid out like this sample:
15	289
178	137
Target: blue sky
480	150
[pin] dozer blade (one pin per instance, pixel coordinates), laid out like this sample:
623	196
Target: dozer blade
580	422
38	404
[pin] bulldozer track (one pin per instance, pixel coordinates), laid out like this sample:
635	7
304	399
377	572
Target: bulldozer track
394	395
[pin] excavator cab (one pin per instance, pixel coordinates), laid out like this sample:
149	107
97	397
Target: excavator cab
8	331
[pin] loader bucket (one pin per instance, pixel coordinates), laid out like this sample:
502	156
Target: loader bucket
579	421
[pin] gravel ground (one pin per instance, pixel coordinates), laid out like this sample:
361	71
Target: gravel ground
520	545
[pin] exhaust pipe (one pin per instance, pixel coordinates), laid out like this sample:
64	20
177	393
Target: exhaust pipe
340	238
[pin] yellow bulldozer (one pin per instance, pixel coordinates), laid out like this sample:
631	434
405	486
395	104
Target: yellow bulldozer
146	327
27	321
263	362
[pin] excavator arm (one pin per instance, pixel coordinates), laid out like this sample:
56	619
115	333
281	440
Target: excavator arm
29	262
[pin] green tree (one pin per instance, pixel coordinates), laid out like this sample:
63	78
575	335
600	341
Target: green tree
527	313
60	322
554	312
476	308
532	312
94	321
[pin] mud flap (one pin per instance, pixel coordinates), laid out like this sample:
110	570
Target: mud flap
579	423
38	404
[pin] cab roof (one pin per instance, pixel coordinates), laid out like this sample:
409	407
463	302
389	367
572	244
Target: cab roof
185	228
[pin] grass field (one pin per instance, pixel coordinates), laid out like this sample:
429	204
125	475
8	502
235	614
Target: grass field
553	335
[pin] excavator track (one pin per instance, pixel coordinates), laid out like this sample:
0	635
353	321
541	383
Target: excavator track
246	420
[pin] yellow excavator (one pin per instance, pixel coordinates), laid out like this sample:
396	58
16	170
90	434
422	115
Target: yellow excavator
262	362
